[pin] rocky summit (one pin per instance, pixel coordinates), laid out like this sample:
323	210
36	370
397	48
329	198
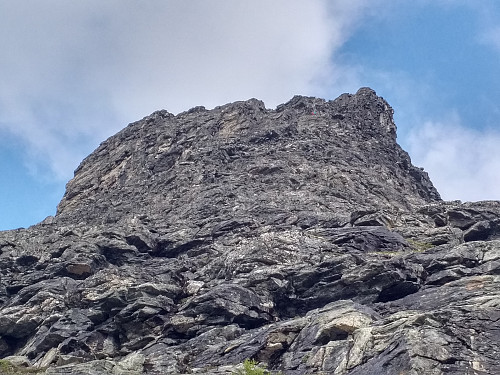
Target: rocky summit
301	238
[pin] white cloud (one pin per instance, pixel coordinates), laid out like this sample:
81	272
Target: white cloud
463	163
73	73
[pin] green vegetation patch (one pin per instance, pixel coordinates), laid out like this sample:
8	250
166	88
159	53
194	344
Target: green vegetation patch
419	246
251	367
8	368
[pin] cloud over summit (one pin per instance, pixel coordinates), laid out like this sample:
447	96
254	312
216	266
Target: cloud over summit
73	73
77	72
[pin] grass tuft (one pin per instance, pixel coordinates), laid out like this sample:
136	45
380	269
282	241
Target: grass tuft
251	367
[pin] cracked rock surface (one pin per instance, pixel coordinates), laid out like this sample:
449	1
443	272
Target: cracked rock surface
301	237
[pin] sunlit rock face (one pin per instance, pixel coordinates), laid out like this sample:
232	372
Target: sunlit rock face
301	237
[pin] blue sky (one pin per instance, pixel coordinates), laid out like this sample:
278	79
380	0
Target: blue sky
74	73
441	47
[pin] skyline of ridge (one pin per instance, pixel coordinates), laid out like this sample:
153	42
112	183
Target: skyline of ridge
76	73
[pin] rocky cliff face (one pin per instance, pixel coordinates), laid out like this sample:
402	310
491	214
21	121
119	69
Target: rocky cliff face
301	237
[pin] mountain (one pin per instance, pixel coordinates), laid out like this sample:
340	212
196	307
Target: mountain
300	237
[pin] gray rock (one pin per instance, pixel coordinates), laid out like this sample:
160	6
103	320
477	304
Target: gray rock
301	237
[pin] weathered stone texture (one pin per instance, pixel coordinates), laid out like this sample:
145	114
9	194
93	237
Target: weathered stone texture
301	237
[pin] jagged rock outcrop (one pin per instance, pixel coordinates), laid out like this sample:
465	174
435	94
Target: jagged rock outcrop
301	237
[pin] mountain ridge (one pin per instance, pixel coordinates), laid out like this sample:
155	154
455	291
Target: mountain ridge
299	112
301	237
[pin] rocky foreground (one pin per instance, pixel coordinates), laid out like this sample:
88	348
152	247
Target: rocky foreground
300	237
